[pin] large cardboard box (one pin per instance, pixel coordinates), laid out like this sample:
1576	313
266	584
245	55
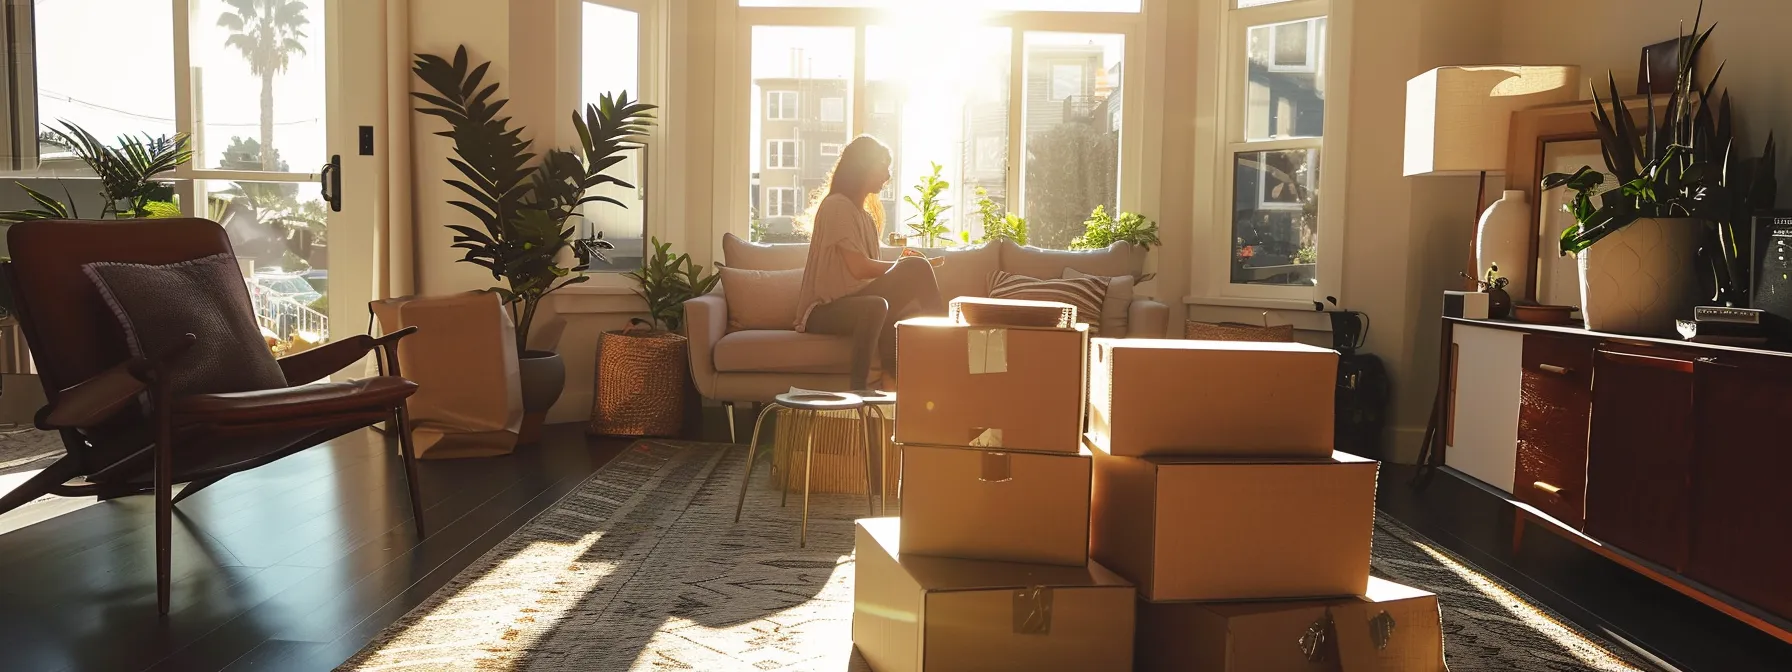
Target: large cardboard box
986	505
1220	528
1392	629
916	613
1177	397
1018	388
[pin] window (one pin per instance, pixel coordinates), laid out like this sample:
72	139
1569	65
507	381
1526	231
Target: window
992	154
1274	153
782	202
93	88
781	106
1072	151
610	63
833	110
781	154
884	106
831	148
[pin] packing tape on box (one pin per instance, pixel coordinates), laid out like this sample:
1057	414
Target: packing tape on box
1354	645
997	468
988	350
1033	611
986	437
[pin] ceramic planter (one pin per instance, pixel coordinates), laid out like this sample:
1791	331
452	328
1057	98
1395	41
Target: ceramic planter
1640	279
543	376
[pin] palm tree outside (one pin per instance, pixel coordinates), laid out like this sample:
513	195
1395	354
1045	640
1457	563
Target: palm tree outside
268	34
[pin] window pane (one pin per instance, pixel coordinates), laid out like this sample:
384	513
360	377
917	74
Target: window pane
1275	218
1285	81
976	5
610	62
279	232
795	70
258	74
955	116
82	81
1072	122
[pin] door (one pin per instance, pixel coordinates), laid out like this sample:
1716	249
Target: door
1639	453
1741	508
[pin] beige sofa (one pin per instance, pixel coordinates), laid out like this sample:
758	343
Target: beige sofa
754	366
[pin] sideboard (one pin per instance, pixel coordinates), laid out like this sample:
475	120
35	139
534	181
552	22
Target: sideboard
1673	459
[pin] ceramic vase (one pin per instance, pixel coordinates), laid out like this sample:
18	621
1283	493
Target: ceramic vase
1639	279
1504	238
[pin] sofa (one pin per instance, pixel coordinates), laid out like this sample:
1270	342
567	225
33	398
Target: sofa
753	366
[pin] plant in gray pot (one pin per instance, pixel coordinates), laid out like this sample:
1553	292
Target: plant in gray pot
1667	222
523	202
643	374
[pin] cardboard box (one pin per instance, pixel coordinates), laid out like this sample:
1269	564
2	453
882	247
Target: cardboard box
1178	397
1010	387
1392	629
925	614
985	505
1218	528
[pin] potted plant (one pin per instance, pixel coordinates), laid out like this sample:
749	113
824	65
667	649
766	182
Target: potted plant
997	225
1678	185
643	374
1102	230
523	201
929	222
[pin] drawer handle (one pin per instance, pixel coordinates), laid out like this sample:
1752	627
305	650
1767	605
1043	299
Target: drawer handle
1553	490
1551	368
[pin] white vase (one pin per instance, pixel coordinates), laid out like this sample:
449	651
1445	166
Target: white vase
1504	238
1639	279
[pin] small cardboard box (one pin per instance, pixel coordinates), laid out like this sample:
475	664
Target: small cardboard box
1177	397
1392	629
986	312
1017	388
1219	528
925	614
983	505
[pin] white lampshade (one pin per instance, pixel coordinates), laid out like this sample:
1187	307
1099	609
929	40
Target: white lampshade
1458	119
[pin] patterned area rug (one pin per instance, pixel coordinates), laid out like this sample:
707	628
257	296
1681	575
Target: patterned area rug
26	449
642	568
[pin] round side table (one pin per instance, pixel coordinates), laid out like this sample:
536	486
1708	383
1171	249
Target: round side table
804	407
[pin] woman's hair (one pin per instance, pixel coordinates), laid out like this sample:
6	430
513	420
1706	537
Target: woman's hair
857	160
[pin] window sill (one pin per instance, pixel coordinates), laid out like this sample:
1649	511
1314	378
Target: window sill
1257	311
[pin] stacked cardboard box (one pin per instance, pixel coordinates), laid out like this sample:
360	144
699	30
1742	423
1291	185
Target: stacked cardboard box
1217	492
988	567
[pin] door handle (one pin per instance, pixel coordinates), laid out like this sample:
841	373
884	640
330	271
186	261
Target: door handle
331	182
1551	489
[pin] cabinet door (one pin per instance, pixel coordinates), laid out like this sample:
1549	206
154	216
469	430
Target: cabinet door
1483	424
1552	426
1639	454
1741	500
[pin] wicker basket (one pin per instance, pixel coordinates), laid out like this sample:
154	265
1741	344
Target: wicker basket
839	454
1237	331
640	389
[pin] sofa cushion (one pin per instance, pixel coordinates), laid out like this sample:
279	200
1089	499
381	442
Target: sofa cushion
737	253
1117	305
1117	259
966	271
770	351
761	299
1086	293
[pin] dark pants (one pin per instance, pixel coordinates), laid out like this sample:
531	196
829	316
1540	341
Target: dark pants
869	315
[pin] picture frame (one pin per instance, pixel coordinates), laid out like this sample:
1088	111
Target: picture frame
1659	67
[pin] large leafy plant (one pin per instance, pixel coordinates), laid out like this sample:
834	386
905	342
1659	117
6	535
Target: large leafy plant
1102	230
1683	163
929	222
523	202
667	281
128	176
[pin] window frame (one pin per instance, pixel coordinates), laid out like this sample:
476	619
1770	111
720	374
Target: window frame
836	146
794	154
734	94
773	202
794	106
1222	86
822	110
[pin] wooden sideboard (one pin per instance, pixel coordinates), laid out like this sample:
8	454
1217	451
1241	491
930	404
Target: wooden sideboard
1671	458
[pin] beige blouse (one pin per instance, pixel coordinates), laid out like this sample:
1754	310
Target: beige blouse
841	228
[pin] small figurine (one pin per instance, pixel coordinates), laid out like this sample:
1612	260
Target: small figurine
1499	303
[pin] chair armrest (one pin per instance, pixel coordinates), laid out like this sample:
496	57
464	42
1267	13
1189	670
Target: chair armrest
1147	319
706	322
319	362
95	400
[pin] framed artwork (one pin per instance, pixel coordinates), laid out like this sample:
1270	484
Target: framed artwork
1558	277
1660	66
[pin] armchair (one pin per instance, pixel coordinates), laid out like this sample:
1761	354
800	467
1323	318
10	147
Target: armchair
125	431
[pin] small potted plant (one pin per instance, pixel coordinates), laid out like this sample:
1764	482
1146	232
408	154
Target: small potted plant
643	372
929	224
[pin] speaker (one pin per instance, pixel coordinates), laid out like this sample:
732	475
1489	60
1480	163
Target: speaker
1770	273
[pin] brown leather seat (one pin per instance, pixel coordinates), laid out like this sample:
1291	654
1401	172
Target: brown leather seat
125	432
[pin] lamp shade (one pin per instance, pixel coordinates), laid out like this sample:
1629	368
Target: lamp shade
1458	119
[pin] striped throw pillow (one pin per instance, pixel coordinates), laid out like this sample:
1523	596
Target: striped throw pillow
1087	294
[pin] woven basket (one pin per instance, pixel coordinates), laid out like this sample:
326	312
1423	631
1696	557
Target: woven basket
640	386
1237	331
839	454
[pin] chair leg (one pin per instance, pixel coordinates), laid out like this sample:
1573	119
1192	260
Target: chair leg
865	423
195	487
164	495
409	452
752	452
56	474
728	407
802	539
